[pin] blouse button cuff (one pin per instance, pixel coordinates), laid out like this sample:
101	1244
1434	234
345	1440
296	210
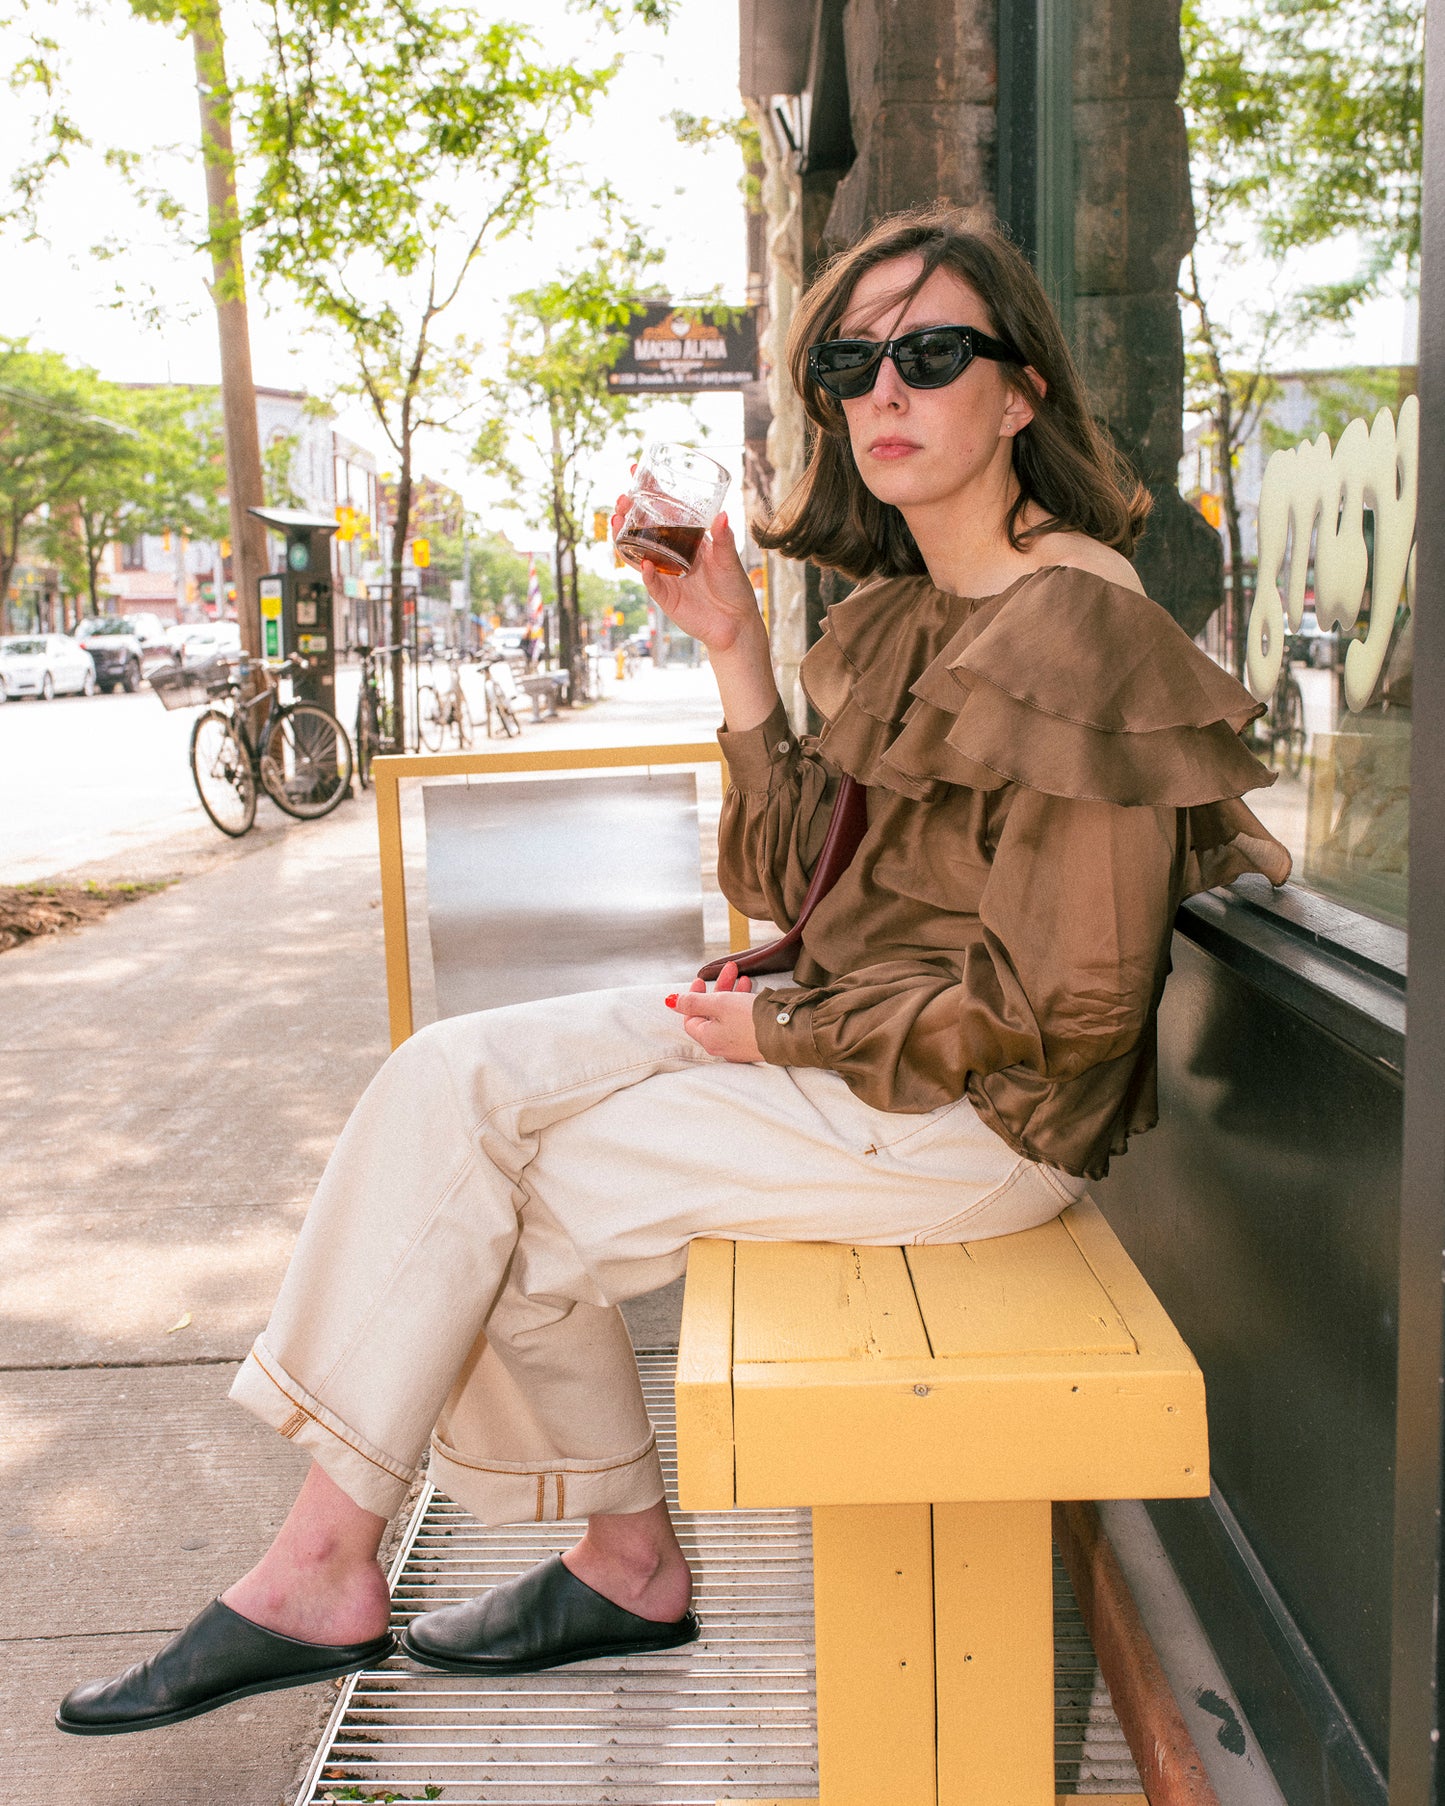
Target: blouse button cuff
781	747
784	1018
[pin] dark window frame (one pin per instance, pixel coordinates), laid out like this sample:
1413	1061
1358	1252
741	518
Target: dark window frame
1416	1632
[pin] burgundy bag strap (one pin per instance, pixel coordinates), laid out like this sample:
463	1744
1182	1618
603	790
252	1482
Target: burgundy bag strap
846	828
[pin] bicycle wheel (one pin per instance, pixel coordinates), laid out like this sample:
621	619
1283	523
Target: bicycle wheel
1293	725
430	721
306	761
222	772
368	738
464	722
496	700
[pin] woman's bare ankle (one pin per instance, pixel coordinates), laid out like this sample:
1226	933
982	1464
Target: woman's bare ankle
633	1559
320	1605
320	1580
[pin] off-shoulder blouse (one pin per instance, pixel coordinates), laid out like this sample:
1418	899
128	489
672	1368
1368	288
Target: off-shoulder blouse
1049	772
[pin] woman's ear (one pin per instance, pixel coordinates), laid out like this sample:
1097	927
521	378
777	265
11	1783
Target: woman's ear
1020	408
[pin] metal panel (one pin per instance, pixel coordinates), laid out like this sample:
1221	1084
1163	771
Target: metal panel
544	889
1263	1211
1036	140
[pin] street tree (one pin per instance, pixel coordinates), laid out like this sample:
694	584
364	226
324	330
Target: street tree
50	431
165	472
392	142
1304	121
562	341
34	77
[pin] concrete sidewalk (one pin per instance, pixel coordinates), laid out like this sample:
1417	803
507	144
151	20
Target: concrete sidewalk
172	1081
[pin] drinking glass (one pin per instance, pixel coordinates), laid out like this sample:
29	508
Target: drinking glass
675	497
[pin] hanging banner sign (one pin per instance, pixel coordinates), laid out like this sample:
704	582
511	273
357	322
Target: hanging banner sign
675	350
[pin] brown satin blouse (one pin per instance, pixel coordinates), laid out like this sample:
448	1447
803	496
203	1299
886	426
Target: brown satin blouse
1049	771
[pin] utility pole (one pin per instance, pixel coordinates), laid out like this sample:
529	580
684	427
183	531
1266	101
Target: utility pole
244	484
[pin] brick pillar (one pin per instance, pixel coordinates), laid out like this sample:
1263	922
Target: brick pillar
1133	225
921	87
922	98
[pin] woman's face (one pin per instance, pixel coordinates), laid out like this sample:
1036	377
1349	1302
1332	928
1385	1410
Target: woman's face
916	448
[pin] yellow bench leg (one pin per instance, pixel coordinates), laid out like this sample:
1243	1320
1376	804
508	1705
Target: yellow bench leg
873	1603
993	1601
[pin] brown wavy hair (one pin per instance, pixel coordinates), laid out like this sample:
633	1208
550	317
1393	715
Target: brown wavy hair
1064	462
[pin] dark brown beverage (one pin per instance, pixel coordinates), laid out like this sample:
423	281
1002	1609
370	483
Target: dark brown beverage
671	548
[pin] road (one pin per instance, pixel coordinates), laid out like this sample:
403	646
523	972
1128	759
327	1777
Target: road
102	785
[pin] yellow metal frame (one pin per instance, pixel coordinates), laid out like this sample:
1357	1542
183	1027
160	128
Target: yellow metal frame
390	773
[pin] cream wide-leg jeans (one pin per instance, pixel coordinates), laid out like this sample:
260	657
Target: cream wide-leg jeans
509	1178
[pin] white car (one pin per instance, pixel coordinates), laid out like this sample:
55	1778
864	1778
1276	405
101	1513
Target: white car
44	665
208	640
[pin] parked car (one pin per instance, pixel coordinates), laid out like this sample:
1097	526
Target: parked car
1313	645
207	640
122	647
44	665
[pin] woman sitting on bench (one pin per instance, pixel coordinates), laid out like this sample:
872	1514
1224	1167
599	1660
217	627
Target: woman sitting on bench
1050	766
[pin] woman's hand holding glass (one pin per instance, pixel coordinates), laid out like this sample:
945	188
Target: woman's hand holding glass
715	602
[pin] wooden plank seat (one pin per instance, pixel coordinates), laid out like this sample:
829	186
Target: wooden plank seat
928	1404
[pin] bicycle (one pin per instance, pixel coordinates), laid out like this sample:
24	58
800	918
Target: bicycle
298	754
375	714
436	710
1283	726
499	687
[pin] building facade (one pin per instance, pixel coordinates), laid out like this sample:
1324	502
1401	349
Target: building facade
1290	1208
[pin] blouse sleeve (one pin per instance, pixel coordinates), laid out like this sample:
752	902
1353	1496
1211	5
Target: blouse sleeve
1069	962
774	818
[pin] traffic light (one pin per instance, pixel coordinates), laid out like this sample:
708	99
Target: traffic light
421	553
600	522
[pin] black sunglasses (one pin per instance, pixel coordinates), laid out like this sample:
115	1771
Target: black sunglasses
928	359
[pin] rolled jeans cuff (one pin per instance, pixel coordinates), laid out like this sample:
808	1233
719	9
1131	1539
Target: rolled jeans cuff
545	1492
373	1479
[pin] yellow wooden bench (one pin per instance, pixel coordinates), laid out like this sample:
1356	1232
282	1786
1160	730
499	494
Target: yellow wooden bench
928	1404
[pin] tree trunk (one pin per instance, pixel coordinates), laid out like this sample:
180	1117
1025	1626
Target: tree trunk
245	483
9	558
582	675
566	627
1239	626
399	529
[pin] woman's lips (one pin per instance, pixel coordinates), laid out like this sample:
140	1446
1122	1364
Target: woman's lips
892	448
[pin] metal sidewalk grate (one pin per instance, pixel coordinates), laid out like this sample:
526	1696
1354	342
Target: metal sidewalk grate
731	1715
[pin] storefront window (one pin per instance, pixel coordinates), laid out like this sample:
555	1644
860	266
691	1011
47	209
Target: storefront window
1329	647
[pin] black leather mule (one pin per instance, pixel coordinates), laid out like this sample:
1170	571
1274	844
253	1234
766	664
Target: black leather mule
545	1618
218	1657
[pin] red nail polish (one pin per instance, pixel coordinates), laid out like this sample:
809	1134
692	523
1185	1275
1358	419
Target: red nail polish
671	1001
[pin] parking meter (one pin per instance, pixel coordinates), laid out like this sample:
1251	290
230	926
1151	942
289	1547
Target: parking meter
296	602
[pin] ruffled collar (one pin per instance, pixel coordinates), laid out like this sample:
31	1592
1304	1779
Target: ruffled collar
1064	682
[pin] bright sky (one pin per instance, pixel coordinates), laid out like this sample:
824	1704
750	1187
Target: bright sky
133	87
